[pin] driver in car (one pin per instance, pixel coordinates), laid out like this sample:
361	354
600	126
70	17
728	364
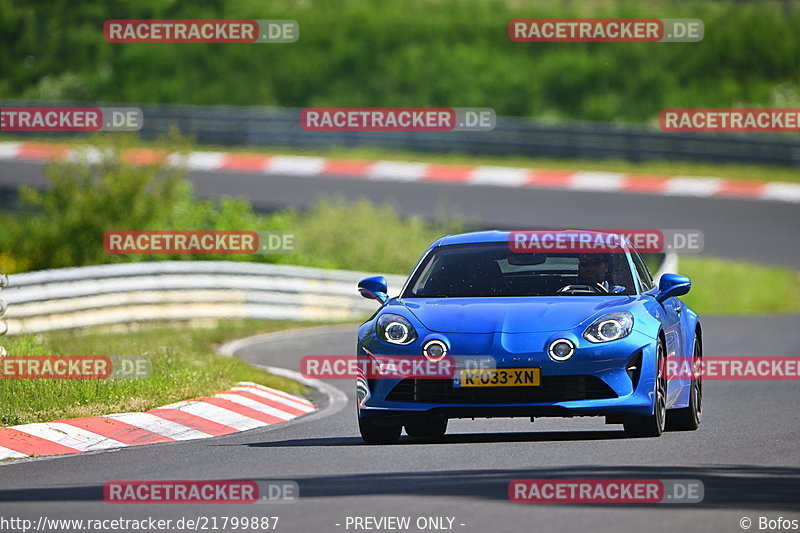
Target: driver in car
592	269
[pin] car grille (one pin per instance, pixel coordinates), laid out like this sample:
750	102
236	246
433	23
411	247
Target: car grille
551	389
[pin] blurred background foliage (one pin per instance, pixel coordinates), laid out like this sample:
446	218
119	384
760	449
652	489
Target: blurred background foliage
367	53
409	53
63	225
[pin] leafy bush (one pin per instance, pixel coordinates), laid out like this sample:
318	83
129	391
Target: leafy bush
360	236
87	197
64	225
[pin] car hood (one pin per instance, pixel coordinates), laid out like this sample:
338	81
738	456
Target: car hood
511	315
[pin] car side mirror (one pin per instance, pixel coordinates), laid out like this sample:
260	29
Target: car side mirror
374	288
672	285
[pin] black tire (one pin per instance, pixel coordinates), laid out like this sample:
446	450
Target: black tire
653	425
688	418
431	428
377	433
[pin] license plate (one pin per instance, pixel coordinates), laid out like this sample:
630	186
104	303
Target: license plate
497	377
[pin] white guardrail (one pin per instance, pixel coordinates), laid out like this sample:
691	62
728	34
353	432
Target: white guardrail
181	290
184	290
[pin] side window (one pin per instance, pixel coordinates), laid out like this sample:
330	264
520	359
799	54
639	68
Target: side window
645	278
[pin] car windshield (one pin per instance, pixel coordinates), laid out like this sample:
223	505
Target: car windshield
492	269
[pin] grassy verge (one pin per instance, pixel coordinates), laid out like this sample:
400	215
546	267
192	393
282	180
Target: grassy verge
183	360
739	288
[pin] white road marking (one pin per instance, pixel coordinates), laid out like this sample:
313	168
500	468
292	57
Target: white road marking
597	181
296	165
397	171
221	415
500	176
71	436
257	406
160	426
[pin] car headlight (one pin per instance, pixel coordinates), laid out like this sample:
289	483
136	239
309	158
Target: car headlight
396	330
561	349
609	327
434	350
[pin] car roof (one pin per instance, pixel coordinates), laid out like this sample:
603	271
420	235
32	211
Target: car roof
477	237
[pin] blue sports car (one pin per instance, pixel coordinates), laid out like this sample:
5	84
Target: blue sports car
567	333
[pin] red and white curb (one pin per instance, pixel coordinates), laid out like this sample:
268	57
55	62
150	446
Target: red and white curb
301	166
245	406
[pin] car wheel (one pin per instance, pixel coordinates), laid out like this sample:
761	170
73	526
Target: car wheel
431	428
653	425
688	418
374	432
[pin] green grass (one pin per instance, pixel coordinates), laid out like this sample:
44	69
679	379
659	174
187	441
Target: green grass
721	287
183	360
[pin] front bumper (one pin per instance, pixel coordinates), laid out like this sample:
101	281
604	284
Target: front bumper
596	381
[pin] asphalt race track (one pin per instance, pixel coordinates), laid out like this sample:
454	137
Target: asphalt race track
746	451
